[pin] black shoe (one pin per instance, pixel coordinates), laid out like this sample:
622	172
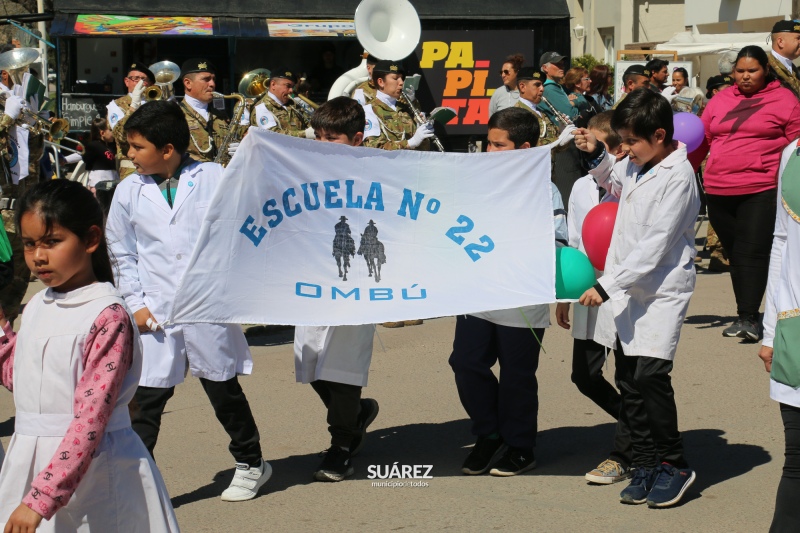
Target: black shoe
514	461
482	454
369	410
336	466
751	330
734	330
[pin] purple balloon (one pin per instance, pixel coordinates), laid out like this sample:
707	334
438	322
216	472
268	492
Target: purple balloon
688	130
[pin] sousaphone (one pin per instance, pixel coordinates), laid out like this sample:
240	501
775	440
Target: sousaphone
387	29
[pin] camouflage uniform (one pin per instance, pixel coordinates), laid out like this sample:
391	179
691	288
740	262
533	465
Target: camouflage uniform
290	120
201	148
788	79
368	90
11	295
396	127
548	132
126	168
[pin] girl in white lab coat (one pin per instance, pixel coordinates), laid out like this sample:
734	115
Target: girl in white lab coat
153	224
646	287
589	356
74	460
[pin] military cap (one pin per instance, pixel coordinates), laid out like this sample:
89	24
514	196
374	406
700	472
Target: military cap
529	73
139	67
786	26
550	57
197	65
715	82
285	73
384	65
638	70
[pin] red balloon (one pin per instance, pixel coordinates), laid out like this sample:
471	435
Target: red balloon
696	158
598	227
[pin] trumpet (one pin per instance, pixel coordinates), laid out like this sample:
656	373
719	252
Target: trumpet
561	117
56	129
305	106
166	73
420	119
152	93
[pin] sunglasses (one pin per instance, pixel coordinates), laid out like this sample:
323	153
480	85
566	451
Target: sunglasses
506	72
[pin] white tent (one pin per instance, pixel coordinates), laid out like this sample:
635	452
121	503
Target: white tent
689	43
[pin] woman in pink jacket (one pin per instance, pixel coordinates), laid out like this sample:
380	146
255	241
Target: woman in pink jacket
747	127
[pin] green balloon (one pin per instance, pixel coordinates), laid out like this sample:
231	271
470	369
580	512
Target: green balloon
574	273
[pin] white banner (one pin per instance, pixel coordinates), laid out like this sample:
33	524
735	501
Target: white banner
310	233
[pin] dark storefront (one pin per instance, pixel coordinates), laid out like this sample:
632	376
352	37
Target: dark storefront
98	38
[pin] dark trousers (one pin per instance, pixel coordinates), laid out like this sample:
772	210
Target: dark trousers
588	358
343	403
649	411
508	406
787	512
745	224
229	403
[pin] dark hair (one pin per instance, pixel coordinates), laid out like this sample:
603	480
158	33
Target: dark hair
643	112
573	78
340	115
683	72
654	65
599	77
520	125
161	123
381	75
602	122
516	61
757	53
302	88
70	205
98	126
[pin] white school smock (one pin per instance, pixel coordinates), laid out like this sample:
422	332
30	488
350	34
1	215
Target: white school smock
783	287
649	274
584	197
341	354
122	490
535	316
150	244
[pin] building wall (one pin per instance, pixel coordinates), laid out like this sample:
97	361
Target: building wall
700	12
657	20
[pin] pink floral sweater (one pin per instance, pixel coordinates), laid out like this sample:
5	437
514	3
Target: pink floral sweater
107	357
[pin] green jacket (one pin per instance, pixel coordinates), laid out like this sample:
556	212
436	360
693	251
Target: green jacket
396	127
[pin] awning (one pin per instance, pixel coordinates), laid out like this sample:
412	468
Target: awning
689	43
261	9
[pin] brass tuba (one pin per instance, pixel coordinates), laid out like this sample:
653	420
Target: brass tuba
166	74
255	83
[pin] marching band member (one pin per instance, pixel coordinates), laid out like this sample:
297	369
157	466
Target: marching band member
531	89
365	91
208	126
136	81
785	49
276	111
390	123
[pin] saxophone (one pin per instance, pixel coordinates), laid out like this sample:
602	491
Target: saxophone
235	130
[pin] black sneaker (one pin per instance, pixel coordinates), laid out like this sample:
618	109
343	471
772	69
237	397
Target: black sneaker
734	330
481	456
751	330
336	466
369	410
514	461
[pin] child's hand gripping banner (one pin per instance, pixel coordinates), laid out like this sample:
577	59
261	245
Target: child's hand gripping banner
311	233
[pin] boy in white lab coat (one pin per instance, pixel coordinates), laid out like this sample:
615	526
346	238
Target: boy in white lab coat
335	360
504	412
152	227
589	356
645	290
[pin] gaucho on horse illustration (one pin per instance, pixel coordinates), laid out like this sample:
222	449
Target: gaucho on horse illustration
343	247
372	250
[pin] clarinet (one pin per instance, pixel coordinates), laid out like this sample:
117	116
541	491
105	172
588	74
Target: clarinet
420	120
564	119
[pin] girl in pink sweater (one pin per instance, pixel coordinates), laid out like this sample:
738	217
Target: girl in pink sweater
747	127
74	366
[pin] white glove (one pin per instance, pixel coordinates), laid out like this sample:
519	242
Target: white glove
232	148
669	94
422	133
136	94
14	106
310	133
565	137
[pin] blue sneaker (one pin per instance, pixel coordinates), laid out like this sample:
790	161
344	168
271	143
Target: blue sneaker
670	485
638	489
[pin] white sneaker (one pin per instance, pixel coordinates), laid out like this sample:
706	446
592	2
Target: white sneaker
247	481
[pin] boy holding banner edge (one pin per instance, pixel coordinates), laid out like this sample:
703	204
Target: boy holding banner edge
335	359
